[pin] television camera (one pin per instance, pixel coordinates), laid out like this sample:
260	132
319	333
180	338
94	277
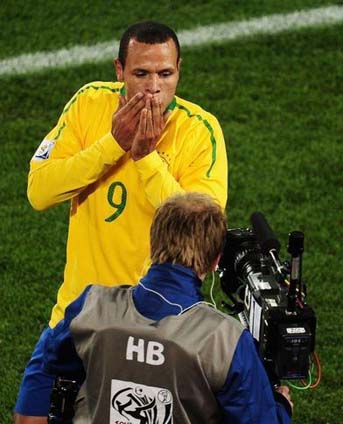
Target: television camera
269	297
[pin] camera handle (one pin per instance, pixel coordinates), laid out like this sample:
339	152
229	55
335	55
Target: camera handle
62	401
295	248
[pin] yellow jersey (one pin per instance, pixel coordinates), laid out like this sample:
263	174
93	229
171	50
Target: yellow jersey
113	198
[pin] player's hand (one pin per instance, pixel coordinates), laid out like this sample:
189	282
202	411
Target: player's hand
151	125
284	390
126	119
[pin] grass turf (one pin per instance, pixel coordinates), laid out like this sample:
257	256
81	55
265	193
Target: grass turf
280	103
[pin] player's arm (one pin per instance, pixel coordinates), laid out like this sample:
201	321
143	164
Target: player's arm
62	166
204	170
60	356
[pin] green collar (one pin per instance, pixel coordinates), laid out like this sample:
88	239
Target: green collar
171	105
123	91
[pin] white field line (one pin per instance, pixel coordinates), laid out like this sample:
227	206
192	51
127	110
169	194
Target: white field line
100	52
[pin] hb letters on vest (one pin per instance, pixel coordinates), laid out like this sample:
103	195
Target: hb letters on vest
152	354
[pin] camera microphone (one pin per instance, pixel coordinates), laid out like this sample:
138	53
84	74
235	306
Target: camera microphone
266	238
295	248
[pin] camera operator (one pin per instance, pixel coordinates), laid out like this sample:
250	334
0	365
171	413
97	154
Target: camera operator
157	353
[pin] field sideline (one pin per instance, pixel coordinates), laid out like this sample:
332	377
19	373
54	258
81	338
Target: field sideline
272	73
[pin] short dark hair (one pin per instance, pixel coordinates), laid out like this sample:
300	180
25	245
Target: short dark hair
148	32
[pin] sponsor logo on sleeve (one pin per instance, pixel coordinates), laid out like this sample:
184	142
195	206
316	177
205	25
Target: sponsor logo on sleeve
133	403
43	151
165	157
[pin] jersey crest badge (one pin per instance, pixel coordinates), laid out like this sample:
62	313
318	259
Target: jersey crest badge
133	403
43	151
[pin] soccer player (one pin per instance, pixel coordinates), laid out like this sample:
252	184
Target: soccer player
118	150
157	353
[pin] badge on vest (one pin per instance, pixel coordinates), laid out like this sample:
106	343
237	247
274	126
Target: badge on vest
133	403
43	151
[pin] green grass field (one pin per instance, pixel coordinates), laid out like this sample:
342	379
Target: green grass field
279	99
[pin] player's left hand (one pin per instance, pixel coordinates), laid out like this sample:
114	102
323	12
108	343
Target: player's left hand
150	128
126	119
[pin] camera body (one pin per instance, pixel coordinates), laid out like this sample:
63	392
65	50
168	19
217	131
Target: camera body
275	312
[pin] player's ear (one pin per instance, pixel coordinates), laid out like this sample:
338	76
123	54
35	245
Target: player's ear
119	70
179	64
215	263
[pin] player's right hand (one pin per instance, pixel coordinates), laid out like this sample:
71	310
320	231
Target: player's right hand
150	128
126	119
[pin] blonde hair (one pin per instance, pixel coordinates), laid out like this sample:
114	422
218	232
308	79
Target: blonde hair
188	229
